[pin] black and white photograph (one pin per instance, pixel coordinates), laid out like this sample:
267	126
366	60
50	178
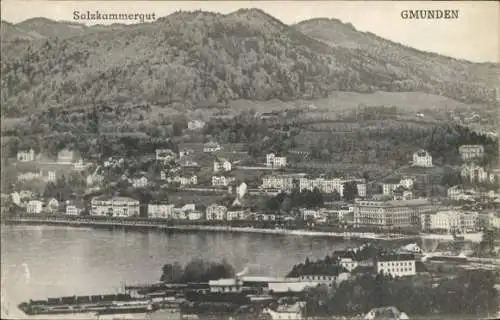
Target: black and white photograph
250	160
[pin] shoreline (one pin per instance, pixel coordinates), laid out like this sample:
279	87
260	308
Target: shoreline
156	226
160	225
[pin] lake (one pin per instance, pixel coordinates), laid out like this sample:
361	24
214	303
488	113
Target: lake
50	261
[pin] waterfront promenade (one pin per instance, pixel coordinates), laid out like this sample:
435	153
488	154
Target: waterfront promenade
162	225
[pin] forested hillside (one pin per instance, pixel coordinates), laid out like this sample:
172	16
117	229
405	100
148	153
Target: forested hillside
454	78
196	59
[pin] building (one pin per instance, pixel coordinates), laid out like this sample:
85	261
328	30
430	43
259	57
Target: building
79	165
222	165
391	213
307	214
326	185
493	220
468	152
215	212
183	180
212	147
226	285
450	221
194	215
396	265
66	156
16	198
475	173
160	210
422	158
222	181
274	161
389	186
114	206
235	214
165	155
26	195
51	176
186	152
195	124
29	176
34	207
74	208
183	212
390	312
285	182
140	182
26	155
454	192
52	205
94	179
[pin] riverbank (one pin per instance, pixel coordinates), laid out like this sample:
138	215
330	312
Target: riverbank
132	224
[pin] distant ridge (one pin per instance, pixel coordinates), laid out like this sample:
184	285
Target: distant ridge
197	58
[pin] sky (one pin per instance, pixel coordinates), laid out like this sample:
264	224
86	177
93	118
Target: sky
474	36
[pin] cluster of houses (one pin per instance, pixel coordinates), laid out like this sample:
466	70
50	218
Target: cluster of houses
302	182
343	266
396	207
50	171
34	205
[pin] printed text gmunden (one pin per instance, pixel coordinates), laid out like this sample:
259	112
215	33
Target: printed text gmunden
429	14
113	16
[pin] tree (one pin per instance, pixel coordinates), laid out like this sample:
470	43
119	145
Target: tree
350	190
171	273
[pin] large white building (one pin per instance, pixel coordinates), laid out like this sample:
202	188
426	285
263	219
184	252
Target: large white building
50	176
390	214
74	208
468	152
274	161
34	207
26	155
222	165
195	124
215	212
160	210
165	155
279	182
183	212
396	265
140	182
450	221
389	186
422	158
66	156
114	206
330	185
493	220
222	181
475	173
212	147
182	180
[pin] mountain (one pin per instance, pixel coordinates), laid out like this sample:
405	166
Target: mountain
436	68
194	59
51	29
12	32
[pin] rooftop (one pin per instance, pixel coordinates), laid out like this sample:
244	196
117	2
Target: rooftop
395	257
114	198
395	203
222	282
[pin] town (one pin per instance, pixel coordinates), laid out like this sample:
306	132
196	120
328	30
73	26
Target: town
312	289
222	184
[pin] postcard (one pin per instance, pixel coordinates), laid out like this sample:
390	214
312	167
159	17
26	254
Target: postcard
250	160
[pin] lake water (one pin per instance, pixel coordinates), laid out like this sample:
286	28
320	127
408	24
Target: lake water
46	261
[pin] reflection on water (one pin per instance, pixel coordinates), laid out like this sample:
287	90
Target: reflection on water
45	261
